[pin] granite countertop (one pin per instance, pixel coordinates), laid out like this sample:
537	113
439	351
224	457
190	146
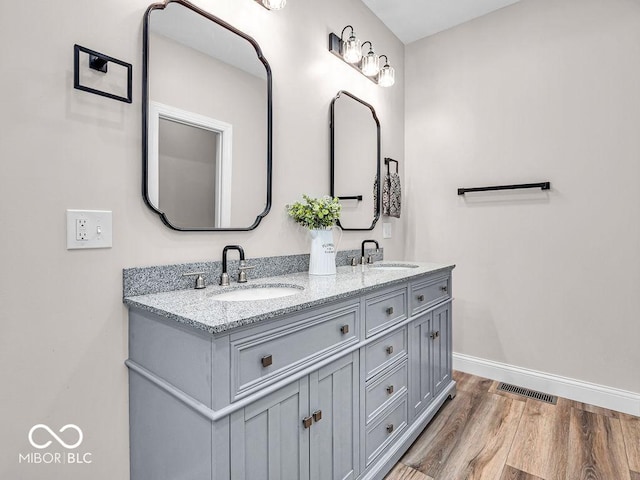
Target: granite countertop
201	310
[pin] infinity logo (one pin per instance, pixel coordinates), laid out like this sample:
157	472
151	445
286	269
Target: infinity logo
52	433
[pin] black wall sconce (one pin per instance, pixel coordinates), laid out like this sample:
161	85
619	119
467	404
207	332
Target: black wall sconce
349	50
100	62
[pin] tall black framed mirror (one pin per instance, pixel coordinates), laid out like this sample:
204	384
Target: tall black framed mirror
206	121
355	161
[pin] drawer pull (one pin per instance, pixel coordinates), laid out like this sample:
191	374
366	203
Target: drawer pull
344	329
389	349
317	415
267	360
307	421
390	389
435	335
390	428
444	288
421	298
389	311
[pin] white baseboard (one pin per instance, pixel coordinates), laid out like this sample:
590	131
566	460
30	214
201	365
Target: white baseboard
600	395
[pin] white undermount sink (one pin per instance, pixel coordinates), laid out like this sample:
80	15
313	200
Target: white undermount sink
393	266
257	292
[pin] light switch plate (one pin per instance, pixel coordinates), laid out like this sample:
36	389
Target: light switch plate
386	230
89	229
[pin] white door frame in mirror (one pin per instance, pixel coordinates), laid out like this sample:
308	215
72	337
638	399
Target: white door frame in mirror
223	155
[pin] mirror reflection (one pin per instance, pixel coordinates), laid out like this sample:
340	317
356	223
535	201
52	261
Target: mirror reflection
355	161
208	121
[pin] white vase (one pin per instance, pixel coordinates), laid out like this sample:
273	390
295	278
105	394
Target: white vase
323	252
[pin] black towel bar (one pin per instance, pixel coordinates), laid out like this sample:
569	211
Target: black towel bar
99	61
541	185
352	197
387	162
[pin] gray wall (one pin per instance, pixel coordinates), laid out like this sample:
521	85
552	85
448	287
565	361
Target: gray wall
541	90
63	327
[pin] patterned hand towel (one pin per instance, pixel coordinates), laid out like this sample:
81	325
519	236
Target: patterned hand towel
391	195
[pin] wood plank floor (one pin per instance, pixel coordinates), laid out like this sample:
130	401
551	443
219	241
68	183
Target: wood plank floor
484	434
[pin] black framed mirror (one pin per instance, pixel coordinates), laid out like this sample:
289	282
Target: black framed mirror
206	121
355	161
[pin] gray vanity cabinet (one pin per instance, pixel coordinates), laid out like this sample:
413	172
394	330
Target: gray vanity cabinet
268	440
441	338
335	394
307	430
420	366
429	357
337	391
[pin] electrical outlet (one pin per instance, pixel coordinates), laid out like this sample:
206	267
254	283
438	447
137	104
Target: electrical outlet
89	229
386	230
81	229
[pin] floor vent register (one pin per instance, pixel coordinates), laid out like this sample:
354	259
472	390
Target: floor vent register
525	392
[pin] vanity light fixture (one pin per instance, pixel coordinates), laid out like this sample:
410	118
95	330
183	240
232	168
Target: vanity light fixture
273	4
387	75
370	64
350	51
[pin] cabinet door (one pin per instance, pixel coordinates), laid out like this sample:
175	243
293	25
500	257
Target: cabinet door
441	347
420	364
268	439
334	391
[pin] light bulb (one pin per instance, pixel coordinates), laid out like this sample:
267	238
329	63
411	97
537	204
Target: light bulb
370	64
351	49
387	76
274	4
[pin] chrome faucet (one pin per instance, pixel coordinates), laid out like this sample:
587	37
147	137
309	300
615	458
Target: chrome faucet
369	259
242	275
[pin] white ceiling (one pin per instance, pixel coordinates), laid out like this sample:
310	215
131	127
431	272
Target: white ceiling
411	20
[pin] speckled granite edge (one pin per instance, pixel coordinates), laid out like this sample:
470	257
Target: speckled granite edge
200	309
244	321
167	278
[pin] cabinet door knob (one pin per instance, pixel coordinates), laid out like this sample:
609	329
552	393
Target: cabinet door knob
344	329
390	389
389	310
435	335
444	288
307	421
389	349
390	428
421	298
317	415
267	360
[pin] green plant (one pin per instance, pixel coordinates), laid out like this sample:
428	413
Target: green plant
315	212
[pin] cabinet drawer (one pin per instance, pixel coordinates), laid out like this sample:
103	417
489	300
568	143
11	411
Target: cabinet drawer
384	310
429	292
385	351
383	391
384	431
270	355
